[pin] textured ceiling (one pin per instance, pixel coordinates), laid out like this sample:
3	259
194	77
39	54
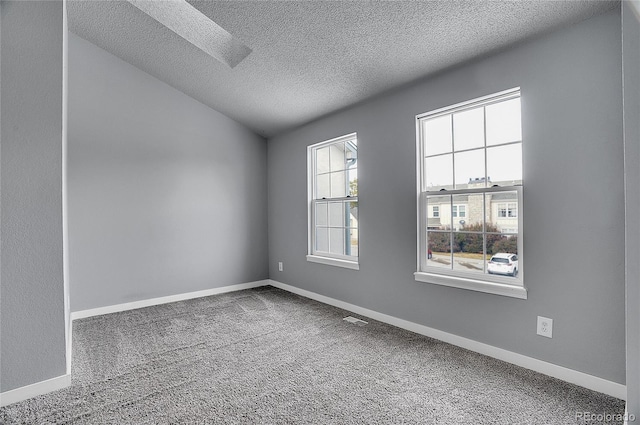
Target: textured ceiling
311	58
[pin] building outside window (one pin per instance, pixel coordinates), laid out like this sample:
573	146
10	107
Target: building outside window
333	202
470	166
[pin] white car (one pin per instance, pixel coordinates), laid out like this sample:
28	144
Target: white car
503	263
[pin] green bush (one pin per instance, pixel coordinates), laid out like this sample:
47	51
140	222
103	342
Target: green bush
473	242
468	242
439	242
508	244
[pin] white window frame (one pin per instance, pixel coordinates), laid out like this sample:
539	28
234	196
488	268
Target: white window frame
493	284
435	211
456	209
507	210
332	259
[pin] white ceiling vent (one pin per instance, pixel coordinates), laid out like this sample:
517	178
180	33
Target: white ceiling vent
195	27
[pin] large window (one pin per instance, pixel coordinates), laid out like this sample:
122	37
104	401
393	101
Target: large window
333	202
470	165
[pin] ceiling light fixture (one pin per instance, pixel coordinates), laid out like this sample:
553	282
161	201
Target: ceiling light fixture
195	27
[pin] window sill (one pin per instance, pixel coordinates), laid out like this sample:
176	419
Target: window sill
333	262
473	285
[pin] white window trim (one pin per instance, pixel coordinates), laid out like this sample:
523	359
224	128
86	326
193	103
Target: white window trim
496	288
330	259
333	262
493	284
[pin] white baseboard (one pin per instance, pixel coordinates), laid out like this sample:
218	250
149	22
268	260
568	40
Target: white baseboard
569	375
39	388
164	300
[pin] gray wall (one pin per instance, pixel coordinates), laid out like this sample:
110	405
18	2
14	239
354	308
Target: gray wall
631	72
166	195
32	303
573	202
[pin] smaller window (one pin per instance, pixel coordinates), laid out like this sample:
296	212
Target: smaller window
459	211
435	213
509	210
333	202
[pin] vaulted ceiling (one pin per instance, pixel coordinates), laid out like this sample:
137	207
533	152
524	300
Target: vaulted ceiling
310	58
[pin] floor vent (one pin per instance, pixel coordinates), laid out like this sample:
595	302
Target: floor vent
355	321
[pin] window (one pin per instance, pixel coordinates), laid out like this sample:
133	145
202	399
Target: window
435	211
333	202
470	164
459	211
508	210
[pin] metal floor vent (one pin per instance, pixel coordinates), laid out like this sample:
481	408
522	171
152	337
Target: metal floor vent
355	321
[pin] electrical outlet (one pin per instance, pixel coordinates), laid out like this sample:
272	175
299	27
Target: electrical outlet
545	326
280	266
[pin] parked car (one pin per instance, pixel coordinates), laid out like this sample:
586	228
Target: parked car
503	263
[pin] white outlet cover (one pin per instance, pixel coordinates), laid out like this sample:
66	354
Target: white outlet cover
545	327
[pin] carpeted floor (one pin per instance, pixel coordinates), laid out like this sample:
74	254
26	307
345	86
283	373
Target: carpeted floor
265	356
